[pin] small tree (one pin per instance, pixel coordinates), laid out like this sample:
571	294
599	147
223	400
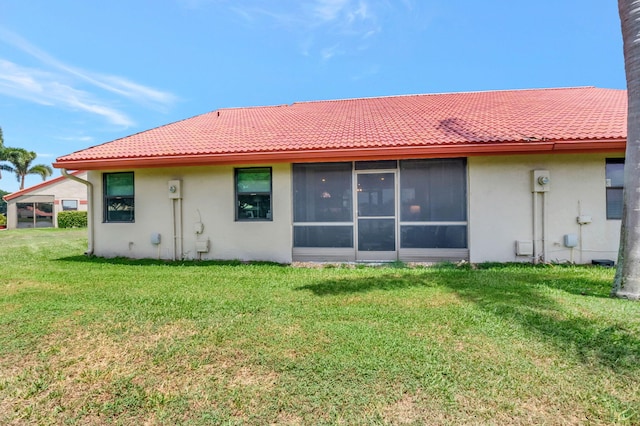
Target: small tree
20	160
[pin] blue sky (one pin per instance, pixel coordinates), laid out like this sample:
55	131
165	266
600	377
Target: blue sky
76	73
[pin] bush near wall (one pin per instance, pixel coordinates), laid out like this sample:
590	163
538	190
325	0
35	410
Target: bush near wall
72	219
3	220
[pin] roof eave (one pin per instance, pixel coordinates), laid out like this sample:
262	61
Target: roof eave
37	186
350	154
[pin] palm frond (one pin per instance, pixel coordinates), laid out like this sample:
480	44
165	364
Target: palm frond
40	169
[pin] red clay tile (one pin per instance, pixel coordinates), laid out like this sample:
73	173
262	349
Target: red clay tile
458	120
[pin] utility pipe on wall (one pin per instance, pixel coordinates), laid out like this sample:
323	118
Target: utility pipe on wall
535	227
90	227
177	229
540	185
544	227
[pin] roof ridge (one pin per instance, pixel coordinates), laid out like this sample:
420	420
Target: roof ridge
452	93
406	95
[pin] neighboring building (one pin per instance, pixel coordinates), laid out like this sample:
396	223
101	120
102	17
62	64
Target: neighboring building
38	206
520	175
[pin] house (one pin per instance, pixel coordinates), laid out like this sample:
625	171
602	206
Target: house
38	206
516	175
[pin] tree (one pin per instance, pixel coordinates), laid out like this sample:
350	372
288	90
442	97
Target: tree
3	203
626	283
3	156
20	160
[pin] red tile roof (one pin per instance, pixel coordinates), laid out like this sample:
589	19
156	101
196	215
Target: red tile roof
453	124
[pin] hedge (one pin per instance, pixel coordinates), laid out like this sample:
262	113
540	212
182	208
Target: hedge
72	219
3	220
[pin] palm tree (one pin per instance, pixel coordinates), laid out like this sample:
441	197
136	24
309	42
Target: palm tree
20	160
626	283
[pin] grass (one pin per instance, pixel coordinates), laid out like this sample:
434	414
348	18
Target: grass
95	341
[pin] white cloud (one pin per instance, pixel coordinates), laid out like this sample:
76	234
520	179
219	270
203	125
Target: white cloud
329	52
57	84
46	88
313	20
330	10
76	138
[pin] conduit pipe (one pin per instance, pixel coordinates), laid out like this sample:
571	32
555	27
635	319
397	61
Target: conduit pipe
177	229
90	228
544	227
535	228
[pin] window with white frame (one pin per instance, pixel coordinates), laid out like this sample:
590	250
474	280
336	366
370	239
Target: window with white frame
69	205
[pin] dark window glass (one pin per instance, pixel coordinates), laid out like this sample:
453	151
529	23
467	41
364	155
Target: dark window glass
376	195
614	171
444	236
253	193
376	165
119	198
35	215
26	215
433	190
323	236
322	192
376	235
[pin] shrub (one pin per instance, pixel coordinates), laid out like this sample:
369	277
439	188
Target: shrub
72	219
3	220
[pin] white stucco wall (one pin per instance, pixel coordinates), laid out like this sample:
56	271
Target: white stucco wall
208	198
501	207
500	212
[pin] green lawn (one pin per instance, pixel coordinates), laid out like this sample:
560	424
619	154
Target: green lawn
93	341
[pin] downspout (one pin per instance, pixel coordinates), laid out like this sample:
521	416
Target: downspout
89	186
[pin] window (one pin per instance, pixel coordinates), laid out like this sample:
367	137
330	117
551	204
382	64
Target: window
322	192
118	197
433	203
253	194
69	205
614	173
322	205
35	215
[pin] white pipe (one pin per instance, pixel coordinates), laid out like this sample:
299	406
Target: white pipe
90	227
535	227
173	225
544	227
181	229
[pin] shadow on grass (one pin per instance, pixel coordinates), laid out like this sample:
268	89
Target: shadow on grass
159	262
520	296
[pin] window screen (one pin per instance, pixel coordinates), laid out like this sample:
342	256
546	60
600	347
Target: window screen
433	190
322	192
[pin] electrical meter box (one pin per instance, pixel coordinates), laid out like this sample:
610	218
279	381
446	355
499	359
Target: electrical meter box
540	180
174	189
